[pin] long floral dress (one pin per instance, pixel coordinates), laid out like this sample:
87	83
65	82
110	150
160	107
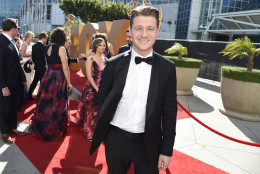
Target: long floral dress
86	117
50	121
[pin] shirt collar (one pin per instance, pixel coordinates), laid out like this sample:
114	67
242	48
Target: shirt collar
8	37
40	41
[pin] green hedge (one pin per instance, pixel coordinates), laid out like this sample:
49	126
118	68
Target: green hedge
37	35
238	73
185	62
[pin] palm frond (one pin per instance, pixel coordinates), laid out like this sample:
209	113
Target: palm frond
242	48
257	51
177	48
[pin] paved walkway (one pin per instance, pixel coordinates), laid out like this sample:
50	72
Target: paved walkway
192	138
200	143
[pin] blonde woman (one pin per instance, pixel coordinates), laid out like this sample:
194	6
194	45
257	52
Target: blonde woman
26	53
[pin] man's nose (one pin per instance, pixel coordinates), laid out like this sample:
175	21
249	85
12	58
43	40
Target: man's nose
144	32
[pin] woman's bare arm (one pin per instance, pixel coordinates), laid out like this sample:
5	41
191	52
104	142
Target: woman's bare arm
23	51
65	67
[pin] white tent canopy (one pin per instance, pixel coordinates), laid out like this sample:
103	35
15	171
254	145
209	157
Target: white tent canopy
237	22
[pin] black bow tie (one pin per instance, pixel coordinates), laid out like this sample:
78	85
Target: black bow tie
148	60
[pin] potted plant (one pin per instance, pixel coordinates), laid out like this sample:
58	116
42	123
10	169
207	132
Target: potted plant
187	69
240	87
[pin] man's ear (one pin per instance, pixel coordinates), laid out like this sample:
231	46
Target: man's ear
158	30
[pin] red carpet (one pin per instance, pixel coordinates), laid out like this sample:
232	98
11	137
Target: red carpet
72	154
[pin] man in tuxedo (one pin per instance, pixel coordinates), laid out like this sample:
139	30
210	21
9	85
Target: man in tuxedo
129	43
137	102
67	47
11	76
38	59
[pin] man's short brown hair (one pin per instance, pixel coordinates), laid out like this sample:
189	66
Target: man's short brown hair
145	11
43	35
10	23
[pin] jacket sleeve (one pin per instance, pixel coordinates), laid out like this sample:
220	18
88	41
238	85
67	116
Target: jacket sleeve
169	114
42	50
3	82
120	51
69	58
34	53
22	75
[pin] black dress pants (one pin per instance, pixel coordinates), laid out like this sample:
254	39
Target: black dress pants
38	75
8	114
122	148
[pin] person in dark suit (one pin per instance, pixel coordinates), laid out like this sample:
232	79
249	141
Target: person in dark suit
129	43
67	47
38	59
11	76
137	102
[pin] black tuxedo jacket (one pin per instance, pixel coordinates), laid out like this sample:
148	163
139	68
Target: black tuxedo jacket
69	58
38	57
161	109
11	72
124	48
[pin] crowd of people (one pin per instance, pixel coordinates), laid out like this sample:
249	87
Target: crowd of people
128	101
34	59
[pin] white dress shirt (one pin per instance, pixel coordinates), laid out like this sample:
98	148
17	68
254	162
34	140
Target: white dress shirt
131	110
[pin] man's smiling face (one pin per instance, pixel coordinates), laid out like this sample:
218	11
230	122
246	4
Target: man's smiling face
144	32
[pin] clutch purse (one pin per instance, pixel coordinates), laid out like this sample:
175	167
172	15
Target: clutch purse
74	94
27	66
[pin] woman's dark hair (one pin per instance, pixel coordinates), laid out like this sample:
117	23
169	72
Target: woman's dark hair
96	43
104	38
58	36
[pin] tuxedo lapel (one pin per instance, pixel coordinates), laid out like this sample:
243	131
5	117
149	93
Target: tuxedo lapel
153	87
12	47
121	71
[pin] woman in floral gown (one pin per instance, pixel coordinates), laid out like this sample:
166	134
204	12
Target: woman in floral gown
86	117
50	121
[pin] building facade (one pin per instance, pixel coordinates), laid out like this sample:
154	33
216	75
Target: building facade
169	10
196	16
10	9
41	15
189	19
181	19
